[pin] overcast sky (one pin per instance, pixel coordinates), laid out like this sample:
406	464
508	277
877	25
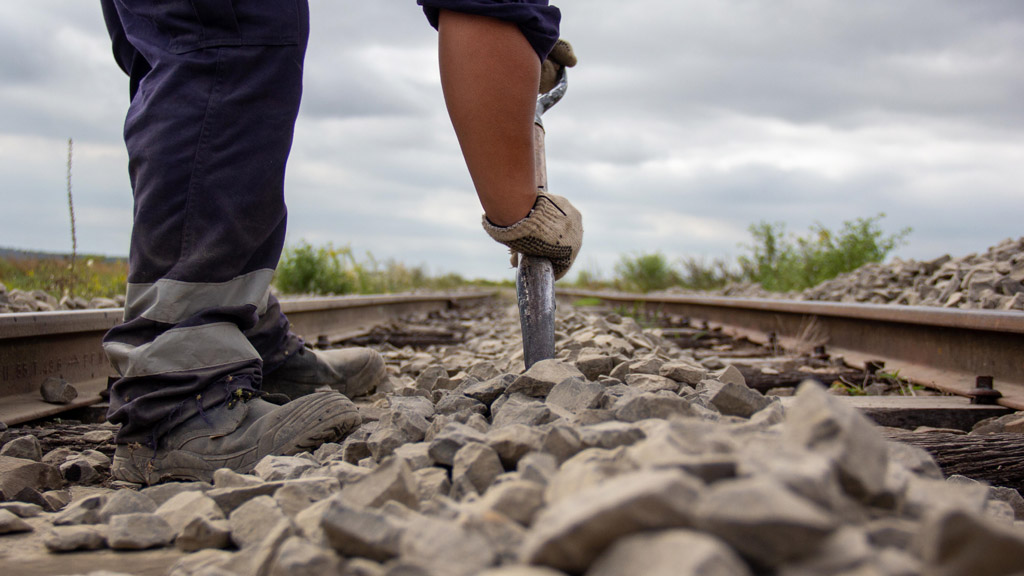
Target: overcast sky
685	122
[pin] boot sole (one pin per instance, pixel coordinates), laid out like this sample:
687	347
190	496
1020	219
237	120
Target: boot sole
335	418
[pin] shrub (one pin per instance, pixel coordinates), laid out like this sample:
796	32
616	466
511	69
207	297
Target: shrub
304	269
644	273
782	263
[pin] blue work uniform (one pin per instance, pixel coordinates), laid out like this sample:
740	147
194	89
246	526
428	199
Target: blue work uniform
215	87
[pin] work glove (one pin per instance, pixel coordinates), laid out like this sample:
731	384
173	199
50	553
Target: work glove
553	229
561	56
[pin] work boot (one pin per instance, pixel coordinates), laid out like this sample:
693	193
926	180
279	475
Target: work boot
352	371
237	435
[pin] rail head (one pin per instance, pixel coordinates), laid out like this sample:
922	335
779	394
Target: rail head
32	324
987	320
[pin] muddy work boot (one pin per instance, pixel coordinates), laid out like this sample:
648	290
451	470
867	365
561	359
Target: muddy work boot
237	436
352	371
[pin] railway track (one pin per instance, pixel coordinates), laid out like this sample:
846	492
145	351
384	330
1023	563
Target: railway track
447	361
948	350
68	345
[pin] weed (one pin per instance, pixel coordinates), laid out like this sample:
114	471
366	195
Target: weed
644	273
782	263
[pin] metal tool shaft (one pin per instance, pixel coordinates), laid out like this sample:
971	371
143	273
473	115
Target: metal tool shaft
535	286
535	278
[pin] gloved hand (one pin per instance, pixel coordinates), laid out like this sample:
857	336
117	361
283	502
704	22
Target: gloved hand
552	230
561	56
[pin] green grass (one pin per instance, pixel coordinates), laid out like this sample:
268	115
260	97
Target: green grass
782	262
94	276
776	260
328	270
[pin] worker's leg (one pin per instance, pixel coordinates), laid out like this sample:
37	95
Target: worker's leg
215	96
490	54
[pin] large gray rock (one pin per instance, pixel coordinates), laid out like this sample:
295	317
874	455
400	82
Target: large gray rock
542	377
298	557
417	455
561	441
957	543
71	538
522	409
230	498
251	522
539	467
589	468
360	533
683	372
733	398
206	563
571	533
651	383
595	365
57	390
432	482
669	553
163	492
412	422
11	523
186	506
821	423
294	497
84	511
138	532
258	559
763	520
663	405
22	509
385	440
513	442
519	500
201	533
575	394
489	390
445	547
448	441
434	378
126	502
276	468
1011	497
393	480
80	471
924	496
25	447
16	474
845	551
610	435
476	466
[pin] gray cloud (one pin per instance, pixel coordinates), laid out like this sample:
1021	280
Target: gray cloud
685	122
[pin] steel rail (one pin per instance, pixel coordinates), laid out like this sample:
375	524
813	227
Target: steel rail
68	344
943	348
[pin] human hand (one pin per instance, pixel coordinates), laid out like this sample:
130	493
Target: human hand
552	230
561	56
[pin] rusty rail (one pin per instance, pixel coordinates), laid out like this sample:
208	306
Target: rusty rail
35	346
943	348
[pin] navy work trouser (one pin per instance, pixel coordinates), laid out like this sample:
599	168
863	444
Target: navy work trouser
215	87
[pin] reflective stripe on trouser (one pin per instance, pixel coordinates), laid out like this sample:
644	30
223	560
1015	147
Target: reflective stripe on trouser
215	89
538	21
